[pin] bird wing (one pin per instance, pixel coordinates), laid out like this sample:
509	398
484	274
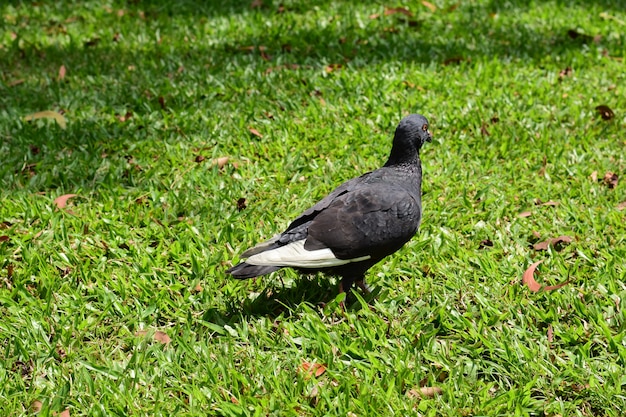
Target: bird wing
370	221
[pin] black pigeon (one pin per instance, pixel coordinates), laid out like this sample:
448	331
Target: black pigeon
358	224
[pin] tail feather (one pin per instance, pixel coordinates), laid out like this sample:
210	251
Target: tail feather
244	270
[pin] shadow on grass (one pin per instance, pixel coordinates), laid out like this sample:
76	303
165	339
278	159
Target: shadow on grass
136	77
316	291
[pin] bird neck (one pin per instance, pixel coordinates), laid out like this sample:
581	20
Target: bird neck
400	155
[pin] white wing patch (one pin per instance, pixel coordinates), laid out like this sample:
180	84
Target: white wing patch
295	255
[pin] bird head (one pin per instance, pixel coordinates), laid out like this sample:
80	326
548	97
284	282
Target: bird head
412	131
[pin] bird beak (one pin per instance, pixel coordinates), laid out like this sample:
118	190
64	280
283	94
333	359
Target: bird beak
429	138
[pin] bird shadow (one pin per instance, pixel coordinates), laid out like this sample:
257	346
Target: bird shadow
316	292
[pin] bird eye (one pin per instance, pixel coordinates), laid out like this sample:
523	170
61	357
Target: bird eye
425	127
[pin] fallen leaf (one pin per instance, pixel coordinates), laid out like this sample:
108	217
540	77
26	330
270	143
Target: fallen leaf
483	129
555	287
241	204
622	205
15	82
550	334
221	162
125	117
198	288
565	73
36	406
611	179
199	158
48	114
453	7
605	112
333	67
162	102
394	10
424	392
430	6
374	16
4	238
529	280
10	269
61	201
255	132
162	337
485	244
525	214
536	234
552	242
594	176
550	203
312	369
453	60
62	72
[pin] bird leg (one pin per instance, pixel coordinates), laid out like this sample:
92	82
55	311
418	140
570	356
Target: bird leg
363	286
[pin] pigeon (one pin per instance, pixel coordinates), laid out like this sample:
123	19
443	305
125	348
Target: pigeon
358	224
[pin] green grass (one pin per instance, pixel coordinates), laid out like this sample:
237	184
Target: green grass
143	247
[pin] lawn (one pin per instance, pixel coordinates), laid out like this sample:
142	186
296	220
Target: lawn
186	131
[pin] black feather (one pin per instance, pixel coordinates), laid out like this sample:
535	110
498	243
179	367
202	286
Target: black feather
371	216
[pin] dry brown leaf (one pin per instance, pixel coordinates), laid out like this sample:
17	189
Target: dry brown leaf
221	161
125	117
333	67
552	242
453	60
162	337
424	392
550	203
47	114
550	334
62	72
525	214
555	287
528	278
605	112
4	238
483	129
594	176
430	6
611	179
312	369
64	413
241	204
395	10
374	16
622	205
255	132
61	201
199	158
10	269
565	73
485	244
16	82
198	288
36	406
